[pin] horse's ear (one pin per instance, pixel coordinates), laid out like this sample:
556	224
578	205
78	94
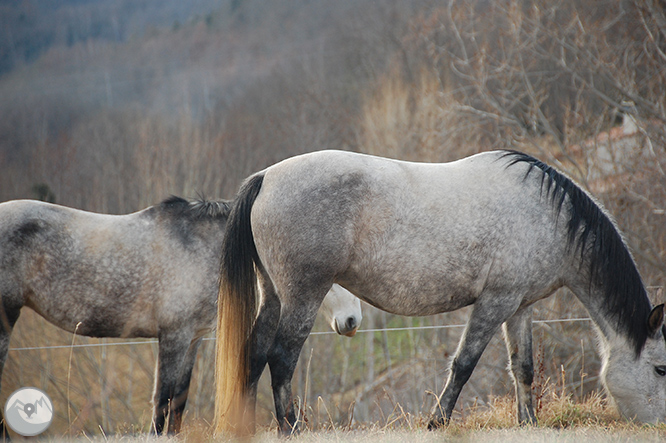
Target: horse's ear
656	319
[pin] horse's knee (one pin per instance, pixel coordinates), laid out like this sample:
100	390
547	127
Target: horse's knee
526	374
461	371
522	369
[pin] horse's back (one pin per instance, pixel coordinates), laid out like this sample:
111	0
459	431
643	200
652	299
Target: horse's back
120	275
407	183
385	226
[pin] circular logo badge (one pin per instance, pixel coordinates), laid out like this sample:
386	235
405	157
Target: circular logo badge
29	411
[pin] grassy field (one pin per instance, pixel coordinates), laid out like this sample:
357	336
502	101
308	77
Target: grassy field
619	433
499	435
560	420
516	434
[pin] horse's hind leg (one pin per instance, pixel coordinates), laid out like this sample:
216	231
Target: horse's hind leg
518	338
173	349
263	335
182	388
294	328
489	312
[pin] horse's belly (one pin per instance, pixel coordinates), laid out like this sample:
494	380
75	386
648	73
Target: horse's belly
418	303
408	291
419	281
98	317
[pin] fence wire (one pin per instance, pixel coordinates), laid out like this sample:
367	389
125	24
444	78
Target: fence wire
360	331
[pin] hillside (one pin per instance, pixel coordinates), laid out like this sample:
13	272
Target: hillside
211	75
31	28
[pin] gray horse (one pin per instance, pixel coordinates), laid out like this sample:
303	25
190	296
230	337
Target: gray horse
498	230
153	273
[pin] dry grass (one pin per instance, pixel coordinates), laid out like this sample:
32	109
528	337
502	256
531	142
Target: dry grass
561	420
562	417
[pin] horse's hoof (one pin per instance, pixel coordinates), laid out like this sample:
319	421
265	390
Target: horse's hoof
436	423
288	431
527	422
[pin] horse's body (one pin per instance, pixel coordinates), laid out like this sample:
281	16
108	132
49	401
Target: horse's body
153	273
498	230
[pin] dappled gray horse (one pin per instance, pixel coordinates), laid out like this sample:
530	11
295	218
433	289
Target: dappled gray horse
498	230
153	273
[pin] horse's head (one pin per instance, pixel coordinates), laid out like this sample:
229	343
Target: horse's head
342	310
637	385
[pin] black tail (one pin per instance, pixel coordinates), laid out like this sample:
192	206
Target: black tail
239	252
237	301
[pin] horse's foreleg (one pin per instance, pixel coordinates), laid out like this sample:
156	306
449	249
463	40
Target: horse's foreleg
182	388
292	332
8	319
518	338
488	314
172	351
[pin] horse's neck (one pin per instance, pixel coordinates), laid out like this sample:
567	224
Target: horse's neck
591	295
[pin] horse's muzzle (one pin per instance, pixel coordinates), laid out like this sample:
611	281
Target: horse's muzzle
349	328
351	333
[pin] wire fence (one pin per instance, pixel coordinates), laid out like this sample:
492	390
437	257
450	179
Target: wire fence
360	331
107	384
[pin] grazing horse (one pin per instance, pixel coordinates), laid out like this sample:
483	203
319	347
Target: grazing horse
498	230
153	273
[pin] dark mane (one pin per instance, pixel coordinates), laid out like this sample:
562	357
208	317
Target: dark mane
197	209
601	246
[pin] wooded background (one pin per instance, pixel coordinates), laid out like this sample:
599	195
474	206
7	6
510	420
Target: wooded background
113	105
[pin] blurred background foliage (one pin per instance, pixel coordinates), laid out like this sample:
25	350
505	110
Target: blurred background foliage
113	105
